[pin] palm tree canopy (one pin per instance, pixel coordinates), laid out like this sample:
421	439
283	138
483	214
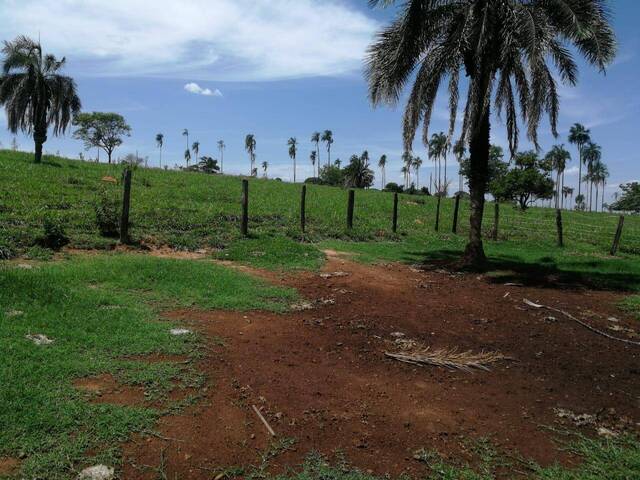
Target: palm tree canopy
459	149
437	145
265	165
383	161
315	137
293	144
159	139
221	144
417	162
358	174
195	147
502	46
35	95
592	153
185	132
313	156
250	143
558	157
187	154
327	136
578	134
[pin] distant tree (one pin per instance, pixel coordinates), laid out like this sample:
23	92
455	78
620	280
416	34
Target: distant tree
629	200
208	165
103	130
558	157
327	137
459	151
592	154
599	175
579	136
221	147
187	156
393	187
438	146
567	192
265	165
416	164
331	175
195	148
33	92
337	162
313	156
358	174
407	160
496	168
315	139
14	144
580	203
250	147
382	163
528	180
185	133
159	144
293	150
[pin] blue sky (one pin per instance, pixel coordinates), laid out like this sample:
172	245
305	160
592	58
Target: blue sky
278	68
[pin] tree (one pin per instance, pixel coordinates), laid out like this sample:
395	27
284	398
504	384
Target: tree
459	151
187	156
313	156
265	165
221	147
558	157
438	146
159	144
250	147
34	93
331	175
103	130
327	137
503	48
528	181
358	174
293	149
195	147
382	163
315	138
579	136
567	192
599	175
407	160
416	164
629	201
185	133
592	153
208	165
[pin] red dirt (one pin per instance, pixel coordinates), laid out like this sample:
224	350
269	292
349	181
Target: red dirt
105	389
9	466
320	375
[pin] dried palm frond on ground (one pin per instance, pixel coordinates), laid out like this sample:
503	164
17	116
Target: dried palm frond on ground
449	358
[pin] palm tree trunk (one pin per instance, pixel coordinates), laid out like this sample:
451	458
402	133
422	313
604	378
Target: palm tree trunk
294	169
39	137
579	169
474	256
445	170
160	157
597	188
591	194
562	190
328	154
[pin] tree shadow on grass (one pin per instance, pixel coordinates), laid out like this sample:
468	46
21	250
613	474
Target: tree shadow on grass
546	272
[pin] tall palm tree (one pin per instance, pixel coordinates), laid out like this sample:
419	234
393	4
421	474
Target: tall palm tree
438	145
592	154
265	165
404	170
159	144
250	147
315	138
459	150
187	156
327	137
416	164
603	176
503	48
34	93
221	147
313	156
558	158
293	149
382	163
567	192
579	136
407	159
185	133
195	147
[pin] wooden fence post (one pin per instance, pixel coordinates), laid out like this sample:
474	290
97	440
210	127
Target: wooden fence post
616	239
350	209
303	203
438	212
126	203
454	228
395	212
559	227
244	226
496	220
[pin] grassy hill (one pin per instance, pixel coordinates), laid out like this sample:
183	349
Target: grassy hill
188	210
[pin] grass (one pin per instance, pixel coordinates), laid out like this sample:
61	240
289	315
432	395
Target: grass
99	309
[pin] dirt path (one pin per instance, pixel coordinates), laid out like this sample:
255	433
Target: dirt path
320	377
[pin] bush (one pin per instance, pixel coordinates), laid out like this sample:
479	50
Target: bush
38	253
54	236
393	187
5	252
107	214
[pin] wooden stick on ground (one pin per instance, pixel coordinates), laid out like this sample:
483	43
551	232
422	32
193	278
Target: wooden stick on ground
266	424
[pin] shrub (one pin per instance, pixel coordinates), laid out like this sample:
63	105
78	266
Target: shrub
38	253
393	187
54	235
107	214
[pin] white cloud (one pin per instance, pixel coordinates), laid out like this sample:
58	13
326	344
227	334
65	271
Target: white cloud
193	87
201	39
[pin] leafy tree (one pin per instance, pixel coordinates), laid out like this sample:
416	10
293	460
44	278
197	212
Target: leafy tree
195	148
250	147
327	137
33	92
315	138
103	130
293	149
503	48
160	143
579	136
407	160
331	175
382	163
208	165
629	201
529	180
358	173
558	157
438	146
221	147
416	164
393	187
496	169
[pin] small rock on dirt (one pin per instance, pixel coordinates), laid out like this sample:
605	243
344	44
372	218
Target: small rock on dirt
39	339
97	472
397	334
179	331
334	274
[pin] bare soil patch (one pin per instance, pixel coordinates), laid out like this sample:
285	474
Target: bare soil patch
9	465
320	376
105	389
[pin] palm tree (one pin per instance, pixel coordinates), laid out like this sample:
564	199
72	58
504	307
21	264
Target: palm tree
357	173
313	156
599	175
503	48
327	137
265	165
382	163
579	136
417	163
592	154
221	147
604	175
185	133
315	138
404	171
567	192
187	156
160	143
437	150
407	159
250	147
459	150
558	158
293	149
196	149
33	92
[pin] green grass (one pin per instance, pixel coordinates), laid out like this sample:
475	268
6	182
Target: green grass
99	309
